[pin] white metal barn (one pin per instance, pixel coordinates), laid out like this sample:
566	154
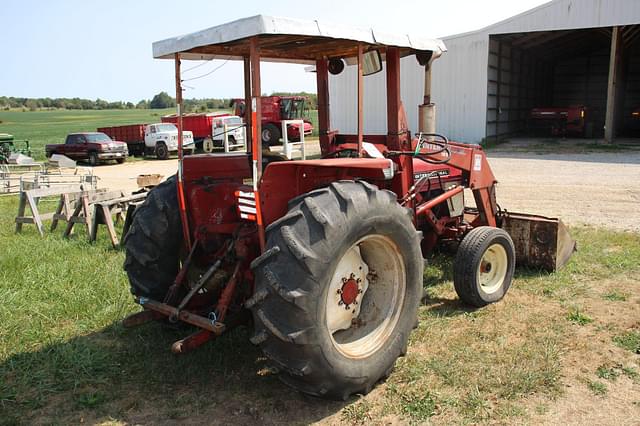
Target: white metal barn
556	55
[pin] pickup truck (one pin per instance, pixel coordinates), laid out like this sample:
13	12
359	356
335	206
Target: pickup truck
93	147
159	139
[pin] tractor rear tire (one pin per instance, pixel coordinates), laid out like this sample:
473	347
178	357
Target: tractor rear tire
484	266
270	135
337	289
153	242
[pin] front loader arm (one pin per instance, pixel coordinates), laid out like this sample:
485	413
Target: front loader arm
476	175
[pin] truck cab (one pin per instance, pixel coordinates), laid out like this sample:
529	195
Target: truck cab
162	138
230	127
276	109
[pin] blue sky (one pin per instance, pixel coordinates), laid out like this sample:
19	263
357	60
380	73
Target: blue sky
100	49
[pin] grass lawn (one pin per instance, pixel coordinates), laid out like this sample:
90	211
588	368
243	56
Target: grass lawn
557	343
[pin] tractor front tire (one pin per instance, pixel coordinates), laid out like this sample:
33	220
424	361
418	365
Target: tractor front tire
337	289
153	242
270	135
484	266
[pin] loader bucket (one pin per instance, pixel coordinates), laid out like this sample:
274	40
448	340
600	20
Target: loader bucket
540	242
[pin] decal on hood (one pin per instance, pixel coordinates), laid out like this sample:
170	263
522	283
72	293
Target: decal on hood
431	174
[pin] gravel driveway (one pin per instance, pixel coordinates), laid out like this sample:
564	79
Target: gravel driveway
601	189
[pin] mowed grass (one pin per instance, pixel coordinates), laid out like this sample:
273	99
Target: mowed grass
48	127
65	358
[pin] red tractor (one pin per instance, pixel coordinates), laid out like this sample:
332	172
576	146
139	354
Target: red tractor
325	256
276	109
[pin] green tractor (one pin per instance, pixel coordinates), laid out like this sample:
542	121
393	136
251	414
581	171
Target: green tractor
10	146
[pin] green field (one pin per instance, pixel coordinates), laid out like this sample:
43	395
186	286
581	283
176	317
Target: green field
44	127
65	358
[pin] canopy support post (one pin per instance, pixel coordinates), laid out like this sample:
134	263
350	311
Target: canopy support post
247	103
256	131
360	100
181	199
322	83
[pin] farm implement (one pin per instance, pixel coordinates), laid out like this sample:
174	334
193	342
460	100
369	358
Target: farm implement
9	146
325	256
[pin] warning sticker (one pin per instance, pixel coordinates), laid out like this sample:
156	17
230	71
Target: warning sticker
477	162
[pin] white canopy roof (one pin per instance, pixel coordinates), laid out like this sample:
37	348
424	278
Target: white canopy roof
262	25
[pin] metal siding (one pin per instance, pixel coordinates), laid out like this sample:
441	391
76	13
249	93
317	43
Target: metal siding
459	89
460	79
570	14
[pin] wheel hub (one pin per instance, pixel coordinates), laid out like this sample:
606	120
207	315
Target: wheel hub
350	291
363	304
493	268
348	288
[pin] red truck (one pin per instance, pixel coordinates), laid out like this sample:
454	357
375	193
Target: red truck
561	121
94	147
200	124
274	110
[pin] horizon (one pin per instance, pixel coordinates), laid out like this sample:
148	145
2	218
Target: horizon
110	59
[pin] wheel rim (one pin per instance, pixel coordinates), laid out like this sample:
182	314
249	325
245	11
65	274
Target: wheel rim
492	269
266	135
365	296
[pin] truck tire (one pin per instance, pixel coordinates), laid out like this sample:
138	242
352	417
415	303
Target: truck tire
270	135
93	159
121	160
152	245
484	266
337	289
162	152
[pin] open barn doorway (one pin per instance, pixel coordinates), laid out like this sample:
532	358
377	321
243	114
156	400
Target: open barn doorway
556	84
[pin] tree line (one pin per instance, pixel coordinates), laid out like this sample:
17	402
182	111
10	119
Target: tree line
160	101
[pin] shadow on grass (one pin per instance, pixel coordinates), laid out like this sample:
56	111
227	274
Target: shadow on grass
130	375
443	307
